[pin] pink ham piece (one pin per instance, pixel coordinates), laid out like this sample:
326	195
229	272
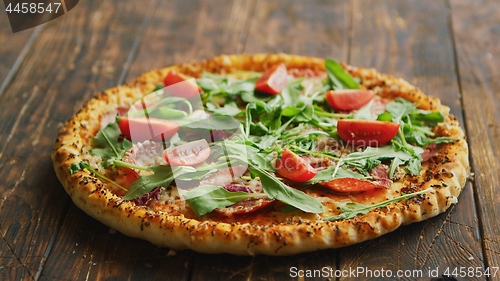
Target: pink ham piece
225	176
429	151
380	175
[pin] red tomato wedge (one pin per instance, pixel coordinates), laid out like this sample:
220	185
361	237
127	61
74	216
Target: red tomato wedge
189	154
143	128
273	80
349	99
180	85
131	175
349	185
246	206
366	132
292	167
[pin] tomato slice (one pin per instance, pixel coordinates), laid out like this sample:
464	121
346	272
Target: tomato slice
366	132
143	128
292	167
131	175
349	99
246	206
272	80
189	154
349	185
180	85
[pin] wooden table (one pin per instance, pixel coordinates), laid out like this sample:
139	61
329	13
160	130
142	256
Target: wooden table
448	48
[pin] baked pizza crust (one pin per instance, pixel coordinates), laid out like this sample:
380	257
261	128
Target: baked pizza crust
446	176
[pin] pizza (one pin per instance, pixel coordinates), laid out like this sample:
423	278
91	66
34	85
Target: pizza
262	154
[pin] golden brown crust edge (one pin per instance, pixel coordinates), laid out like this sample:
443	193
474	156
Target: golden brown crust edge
88	192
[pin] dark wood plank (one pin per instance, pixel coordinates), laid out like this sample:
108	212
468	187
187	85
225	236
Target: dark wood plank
74	57
412	40
313	28
477	42
183	31
15	47
306	28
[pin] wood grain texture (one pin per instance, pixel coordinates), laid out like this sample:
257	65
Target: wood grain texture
14	48
73	58
477	41
184	31
395	38
312	28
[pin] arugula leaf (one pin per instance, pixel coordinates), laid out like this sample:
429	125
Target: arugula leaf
396	162
351	210
339	79
430	118
207	84
247	85
383	152
167	113
106	143
75	167
399	108
290	93
205	199
163	176
371	163
414	166
257	97
212	123
158	87
245	152
327	175
364	161
229	109
215	84
364	112
275	189
267	141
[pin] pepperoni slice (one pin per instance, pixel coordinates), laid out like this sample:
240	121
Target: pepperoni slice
349	185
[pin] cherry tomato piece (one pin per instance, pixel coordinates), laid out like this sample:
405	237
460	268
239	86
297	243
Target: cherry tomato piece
131	175
143	128
366	132
189	154
246	206
180	85
349	185
272	80
349	99
292	167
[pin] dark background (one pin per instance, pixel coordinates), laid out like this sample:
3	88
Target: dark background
448	48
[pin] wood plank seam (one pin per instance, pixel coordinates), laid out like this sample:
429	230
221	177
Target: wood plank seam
27	47
52	241
471	163
137	42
